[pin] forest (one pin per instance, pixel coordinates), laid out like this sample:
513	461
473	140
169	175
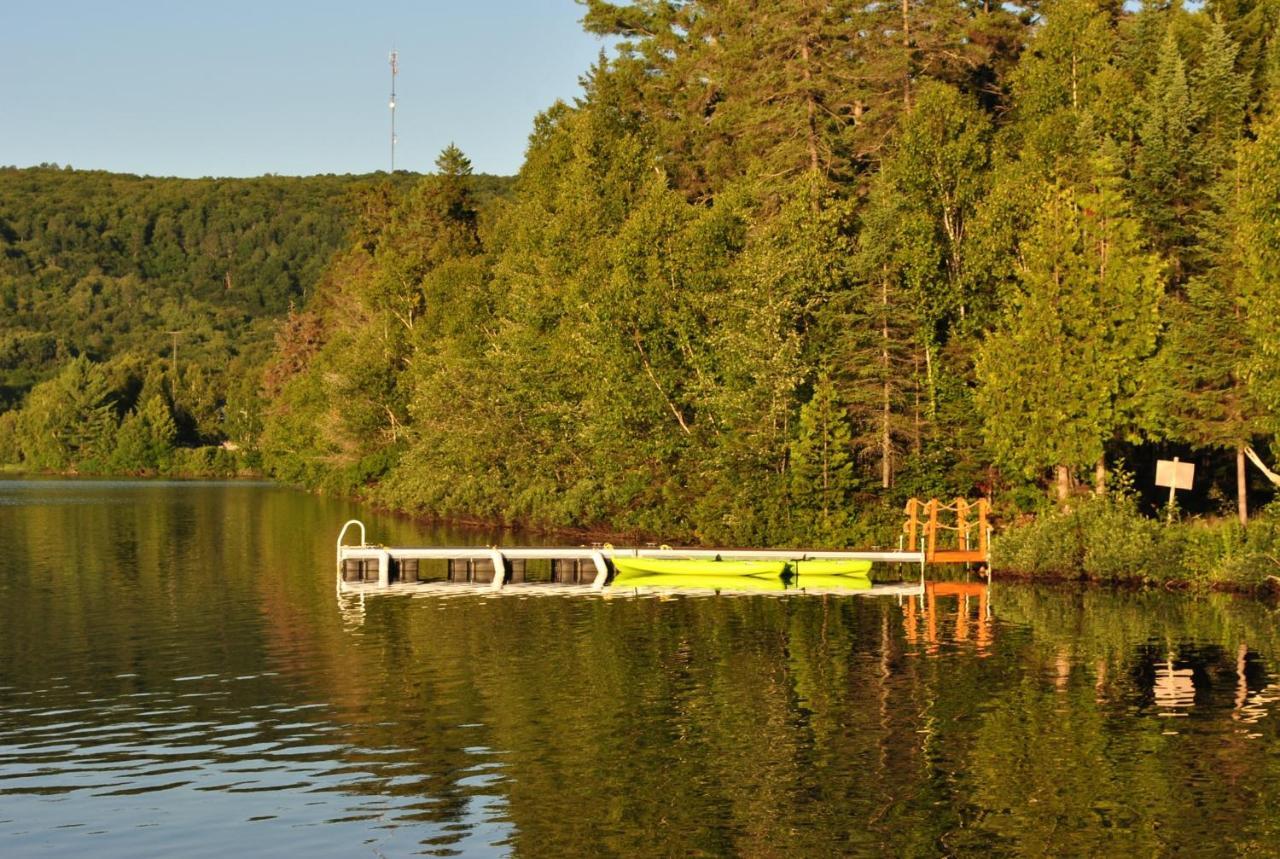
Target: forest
136	313
780	267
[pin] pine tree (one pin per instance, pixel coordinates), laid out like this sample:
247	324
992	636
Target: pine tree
1171	168
69	422
913	293
821	463
1218	92
1259	255
1064	373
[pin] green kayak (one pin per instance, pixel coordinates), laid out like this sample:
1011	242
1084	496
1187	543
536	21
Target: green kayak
698	567
831	567
707	582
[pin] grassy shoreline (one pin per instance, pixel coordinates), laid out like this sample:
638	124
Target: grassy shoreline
1107	540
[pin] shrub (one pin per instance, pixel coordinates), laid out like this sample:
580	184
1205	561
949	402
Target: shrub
1103	538
211	461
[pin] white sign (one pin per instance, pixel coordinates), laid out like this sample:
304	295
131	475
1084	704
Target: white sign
1175	474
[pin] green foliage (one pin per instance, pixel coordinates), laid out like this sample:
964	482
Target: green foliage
1066	370
822	462
209	461
10	441
101	265
145	439
1103	538
69	422
1258	214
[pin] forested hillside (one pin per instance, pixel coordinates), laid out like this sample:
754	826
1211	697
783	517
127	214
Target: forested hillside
102	274
786	261
781	266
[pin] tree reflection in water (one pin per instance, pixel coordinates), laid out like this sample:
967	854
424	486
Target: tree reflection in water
176	662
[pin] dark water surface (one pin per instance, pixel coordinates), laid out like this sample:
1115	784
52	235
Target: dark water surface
179	677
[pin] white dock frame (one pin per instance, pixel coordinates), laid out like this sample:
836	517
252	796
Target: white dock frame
599	556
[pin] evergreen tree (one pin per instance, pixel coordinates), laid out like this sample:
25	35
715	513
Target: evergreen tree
1171	168
914	294
822	477
146	438
1219	93
1259	255
1064	372
69	422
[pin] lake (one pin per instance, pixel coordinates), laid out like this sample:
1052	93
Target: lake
179	676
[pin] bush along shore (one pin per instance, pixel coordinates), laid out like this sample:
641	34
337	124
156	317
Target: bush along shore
1107	539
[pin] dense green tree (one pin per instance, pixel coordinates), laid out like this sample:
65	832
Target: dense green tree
1065	372
1258	219
145	439
70	420
822	478
1171	167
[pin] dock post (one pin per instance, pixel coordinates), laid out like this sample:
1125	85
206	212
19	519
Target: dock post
384	568
602	571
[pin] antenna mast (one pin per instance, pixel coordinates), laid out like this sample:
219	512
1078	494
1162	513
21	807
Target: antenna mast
395	69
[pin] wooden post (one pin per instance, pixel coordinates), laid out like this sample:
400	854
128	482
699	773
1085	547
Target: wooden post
913	523
931	508
984	509
962	523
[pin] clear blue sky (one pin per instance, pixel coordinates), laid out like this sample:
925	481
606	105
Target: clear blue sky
236	88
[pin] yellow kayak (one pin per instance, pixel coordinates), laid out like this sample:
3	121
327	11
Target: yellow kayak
831	567
711	583
697	567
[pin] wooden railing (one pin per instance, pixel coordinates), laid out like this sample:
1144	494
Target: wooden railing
955	533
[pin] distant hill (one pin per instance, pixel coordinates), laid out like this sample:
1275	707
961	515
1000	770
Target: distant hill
102	264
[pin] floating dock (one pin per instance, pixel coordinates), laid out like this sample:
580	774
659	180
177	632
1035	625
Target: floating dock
509	568
589	569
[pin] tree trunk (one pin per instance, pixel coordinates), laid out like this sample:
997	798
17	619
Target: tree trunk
1100	476
1063	483
886	440
1242	487
811	108
906	49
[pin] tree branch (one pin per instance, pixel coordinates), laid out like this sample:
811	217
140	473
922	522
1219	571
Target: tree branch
644	357
1257	460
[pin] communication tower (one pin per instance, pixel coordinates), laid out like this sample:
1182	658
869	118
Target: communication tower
395	69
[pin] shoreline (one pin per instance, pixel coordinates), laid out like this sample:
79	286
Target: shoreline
1267	590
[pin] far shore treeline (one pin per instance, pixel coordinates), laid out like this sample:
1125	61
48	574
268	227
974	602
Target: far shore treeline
779	268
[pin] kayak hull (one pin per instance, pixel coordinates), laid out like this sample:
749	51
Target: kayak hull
697	567
831	567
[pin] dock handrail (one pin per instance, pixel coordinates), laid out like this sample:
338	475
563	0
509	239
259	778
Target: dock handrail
926	528
343	533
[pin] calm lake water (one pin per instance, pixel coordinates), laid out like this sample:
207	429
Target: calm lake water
179	677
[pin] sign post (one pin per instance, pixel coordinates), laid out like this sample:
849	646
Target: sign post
1175	475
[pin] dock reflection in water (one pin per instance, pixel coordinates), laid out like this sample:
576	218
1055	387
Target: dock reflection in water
179	677
971	616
